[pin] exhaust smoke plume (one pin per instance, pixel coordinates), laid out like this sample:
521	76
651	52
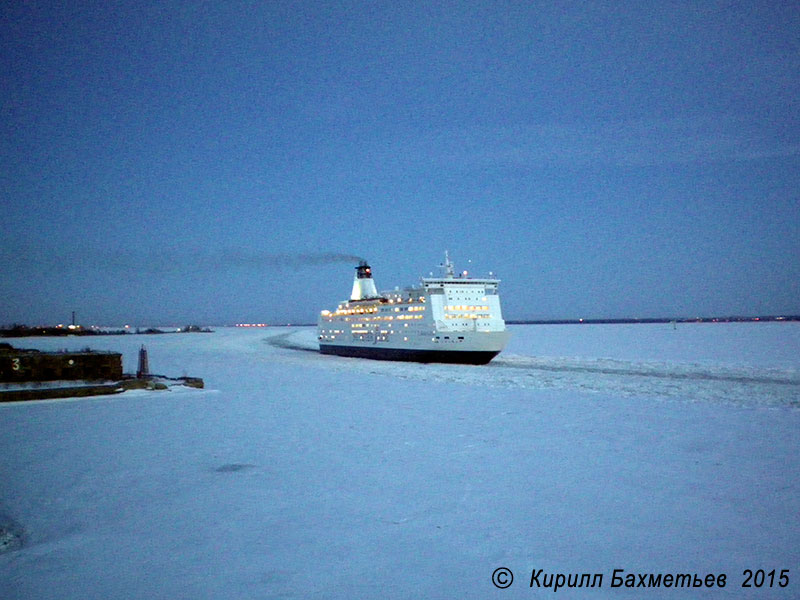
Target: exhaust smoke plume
167	261
243	259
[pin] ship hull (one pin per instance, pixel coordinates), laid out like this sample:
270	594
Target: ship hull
466	357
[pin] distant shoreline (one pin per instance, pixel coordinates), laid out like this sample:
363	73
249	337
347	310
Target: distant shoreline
735	319
26	331
77	330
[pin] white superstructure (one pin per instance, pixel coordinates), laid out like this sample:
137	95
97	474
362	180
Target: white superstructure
452	318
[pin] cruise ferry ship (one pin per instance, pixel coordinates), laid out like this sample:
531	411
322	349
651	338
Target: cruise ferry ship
452	319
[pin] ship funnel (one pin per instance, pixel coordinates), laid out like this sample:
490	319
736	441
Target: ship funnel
363	284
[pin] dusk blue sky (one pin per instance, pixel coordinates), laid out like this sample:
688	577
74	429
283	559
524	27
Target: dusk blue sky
604	159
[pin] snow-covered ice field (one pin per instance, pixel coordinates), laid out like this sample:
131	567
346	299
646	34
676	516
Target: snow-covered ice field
580	449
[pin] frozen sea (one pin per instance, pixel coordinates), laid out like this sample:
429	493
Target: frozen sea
580	449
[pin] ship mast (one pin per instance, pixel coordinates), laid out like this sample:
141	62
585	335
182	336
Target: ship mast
447	266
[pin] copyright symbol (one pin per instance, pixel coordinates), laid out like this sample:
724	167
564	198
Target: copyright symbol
502	578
